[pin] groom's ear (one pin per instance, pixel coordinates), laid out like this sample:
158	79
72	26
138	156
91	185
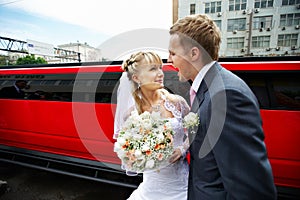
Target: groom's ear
195	53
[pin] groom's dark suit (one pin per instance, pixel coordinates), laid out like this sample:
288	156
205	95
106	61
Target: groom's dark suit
228	155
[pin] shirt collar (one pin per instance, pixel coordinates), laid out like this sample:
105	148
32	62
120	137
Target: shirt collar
200	76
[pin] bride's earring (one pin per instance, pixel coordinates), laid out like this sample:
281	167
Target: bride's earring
139	90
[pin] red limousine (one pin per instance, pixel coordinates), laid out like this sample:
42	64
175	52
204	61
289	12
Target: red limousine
69	128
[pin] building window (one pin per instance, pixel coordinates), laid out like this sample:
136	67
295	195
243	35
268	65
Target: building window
290	19
192	8
236	24
287	40
218	23
235	43
261	41
263	3
262	22
213	7
290	2
237	5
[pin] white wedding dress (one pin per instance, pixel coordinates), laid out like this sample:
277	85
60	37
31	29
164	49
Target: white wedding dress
171	182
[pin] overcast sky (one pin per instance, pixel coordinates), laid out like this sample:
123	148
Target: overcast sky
92	21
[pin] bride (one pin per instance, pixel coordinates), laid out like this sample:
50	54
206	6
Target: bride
145	81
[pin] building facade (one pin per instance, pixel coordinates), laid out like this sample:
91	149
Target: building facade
87	53
251	27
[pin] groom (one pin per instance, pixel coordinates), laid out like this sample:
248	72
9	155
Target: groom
228	154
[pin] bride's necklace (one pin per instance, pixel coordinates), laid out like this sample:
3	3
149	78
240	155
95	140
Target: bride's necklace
154	107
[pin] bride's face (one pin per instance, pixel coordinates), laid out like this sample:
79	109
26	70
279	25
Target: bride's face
151	76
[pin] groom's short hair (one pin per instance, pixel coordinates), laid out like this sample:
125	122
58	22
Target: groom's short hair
199	29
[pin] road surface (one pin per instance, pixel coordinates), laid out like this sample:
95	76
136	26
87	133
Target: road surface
32	184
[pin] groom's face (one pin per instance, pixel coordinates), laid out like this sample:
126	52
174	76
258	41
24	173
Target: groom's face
178	56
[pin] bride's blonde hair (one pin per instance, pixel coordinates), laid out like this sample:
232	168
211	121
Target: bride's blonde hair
133	65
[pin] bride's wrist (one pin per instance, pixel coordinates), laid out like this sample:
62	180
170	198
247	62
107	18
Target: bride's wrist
182	150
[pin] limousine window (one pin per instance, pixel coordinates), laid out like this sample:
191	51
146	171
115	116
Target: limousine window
84	87
287	91
276	90
89	87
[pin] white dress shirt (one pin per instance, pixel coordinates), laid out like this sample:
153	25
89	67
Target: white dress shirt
200	76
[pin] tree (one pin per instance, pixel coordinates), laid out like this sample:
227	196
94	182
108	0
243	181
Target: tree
4	60
30	59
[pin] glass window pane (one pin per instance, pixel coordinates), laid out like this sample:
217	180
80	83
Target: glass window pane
244	5
287	91
270	4
292	2
284	2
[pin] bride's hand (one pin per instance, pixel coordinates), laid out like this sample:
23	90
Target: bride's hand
175	156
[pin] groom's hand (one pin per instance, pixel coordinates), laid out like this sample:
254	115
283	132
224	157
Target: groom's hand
175	156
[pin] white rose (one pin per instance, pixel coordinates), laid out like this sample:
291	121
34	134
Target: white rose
121	141
155	115
149	164
117	147
137	136
160	129
138	153
147	124
121	154
168	125
127	124
160	137
145	115
145	147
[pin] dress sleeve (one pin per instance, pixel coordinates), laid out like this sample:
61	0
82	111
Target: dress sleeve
184	108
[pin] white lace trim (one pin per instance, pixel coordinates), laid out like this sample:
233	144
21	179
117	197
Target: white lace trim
171	107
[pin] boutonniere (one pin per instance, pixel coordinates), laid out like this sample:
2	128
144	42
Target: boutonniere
190	121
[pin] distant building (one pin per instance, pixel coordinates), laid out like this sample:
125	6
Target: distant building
66	53
250	27
87	53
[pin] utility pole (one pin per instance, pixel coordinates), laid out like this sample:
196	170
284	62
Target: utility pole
250	32
175	10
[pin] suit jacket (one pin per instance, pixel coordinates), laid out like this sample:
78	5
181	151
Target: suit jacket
11	92
228	154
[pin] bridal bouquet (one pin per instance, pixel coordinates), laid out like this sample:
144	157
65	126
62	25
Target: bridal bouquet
145	142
